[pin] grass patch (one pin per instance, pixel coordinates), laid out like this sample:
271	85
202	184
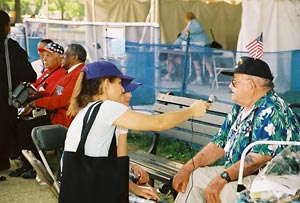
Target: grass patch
167	148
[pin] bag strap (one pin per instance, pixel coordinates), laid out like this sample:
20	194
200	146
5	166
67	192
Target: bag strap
8	71
88	121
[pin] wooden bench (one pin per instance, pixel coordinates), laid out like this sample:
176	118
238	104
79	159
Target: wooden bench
197	131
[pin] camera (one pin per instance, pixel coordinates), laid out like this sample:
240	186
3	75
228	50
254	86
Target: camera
20	95
37	112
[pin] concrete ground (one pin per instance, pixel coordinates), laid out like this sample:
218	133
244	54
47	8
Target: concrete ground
19	190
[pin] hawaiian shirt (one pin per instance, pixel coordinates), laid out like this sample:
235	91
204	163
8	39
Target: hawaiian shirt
270	119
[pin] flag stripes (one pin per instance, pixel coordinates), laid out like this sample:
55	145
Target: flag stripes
255	48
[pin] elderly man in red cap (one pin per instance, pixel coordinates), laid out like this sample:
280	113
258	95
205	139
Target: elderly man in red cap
57	102
45	85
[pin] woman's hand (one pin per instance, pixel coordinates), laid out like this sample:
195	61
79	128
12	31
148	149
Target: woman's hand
143	191
199	108
141	173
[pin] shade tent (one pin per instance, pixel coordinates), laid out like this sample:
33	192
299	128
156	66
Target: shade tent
223	18
234	24
279	20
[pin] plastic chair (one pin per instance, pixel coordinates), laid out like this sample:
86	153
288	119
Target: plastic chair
222	60
50	138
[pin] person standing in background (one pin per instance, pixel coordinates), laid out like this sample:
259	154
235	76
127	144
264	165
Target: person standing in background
21	71
195	31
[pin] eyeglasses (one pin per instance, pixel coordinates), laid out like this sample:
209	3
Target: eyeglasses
234	81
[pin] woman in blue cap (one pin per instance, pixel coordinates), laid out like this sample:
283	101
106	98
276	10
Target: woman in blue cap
103	81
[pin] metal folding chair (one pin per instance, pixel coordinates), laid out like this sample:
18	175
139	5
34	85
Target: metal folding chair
222	60
50	138
41	171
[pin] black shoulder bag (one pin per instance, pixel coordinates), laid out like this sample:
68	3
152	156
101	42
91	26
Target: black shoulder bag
19	95
94	179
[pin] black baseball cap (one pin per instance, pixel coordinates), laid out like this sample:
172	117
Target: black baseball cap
251	66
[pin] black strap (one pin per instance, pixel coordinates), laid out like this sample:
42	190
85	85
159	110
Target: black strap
88	121
46	76
87	124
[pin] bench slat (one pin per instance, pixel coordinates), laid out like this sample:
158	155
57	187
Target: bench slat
208	118
184	101
158	168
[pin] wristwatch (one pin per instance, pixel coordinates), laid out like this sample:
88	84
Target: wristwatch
225	176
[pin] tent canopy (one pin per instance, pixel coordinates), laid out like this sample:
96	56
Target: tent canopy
222	18
234	24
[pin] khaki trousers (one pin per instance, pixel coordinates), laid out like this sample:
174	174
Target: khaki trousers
200	178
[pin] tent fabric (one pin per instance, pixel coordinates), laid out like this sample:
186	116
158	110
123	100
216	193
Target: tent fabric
280	23
223	18
118	10
279	20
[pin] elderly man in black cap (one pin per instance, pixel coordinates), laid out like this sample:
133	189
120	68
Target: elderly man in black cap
259	114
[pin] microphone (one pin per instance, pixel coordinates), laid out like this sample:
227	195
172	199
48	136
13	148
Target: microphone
211	99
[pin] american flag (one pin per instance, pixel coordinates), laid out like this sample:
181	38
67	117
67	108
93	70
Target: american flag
256	47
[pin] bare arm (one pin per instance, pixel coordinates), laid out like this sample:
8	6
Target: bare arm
208	155
253	162
139	121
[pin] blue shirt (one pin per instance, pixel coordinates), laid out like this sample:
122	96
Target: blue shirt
270	119
197	33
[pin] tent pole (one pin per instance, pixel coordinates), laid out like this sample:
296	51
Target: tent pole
152	20
94	30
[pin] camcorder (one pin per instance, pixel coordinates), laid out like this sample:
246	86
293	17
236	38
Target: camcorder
20	95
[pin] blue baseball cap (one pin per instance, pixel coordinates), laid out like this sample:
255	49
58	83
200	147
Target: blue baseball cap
130	87
101	69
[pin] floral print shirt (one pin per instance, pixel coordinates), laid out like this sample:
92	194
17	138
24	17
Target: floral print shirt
270	119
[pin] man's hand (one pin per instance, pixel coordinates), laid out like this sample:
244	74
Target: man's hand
213	190
181	179
26	111
34	94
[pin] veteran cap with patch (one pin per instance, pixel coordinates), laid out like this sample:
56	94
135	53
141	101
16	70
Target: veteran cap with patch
251	66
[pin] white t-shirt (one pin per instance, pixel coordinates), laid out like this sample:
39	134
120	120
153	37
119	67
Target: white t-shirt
101	132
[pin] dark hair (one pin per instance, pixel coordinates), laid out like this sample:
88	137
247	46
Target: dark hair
84	92
4	21
47	41
78	50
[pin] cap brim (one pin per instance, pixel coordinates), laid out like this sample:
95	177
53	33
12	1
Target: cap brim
126	77
44	49
226	72
130	87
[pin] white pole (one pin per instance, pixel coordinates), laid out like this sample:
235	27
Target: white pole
152	20
249	147
94	30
